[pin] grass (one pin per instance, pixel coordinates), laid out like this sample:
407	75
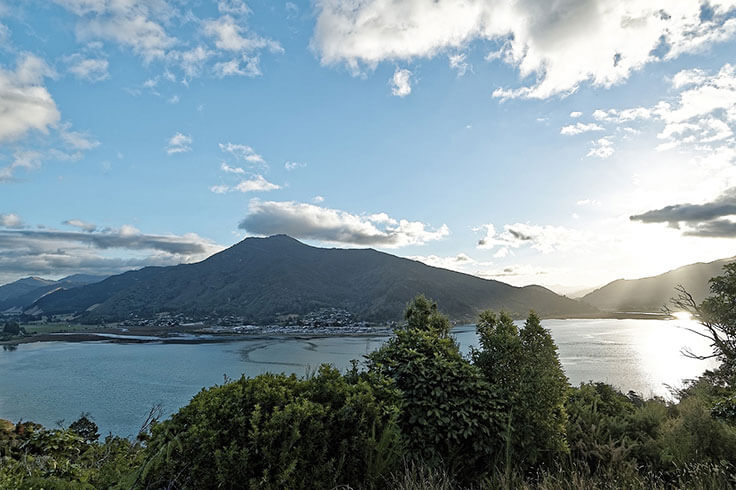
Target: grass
61	327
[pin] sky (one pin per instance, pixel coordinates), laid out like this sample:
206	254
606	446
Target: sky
564	143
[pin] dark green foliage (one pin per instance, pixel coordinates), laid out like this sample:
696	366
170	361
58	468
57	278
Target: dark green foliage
36	458
85	428
276	431
449	413
523	368
11	328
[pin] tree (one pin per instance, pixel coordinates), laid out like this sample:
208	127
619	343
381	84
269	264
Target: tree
717	313
12	328
523	367
85	428
449	415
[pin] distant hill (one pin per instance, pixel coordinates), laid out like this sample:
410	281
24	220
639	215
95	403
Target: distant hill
22	293
265	279
650	294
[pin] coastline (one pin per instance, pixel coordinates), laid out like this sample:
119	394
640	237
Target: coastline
183	334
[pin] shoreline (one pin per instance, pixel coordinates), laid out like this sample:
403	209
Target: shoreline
183	335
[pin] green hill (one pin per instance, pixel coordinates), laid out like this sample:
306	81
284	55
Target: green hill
264	279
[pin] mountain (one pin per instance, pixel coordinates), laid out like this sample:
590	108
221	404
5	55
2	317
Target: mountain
266	279
22	293
650	294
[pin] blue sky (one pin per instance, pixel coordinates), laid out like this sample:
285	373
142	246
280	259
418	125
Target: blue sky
512	140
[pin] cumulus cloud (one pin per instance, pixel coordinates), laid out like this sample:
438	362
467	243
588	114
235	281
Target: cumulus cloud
579	128
561	44
25	104
700	117
11	220
179	143
602	148
308	221
709	219
546	239
576	114
401	82
26	251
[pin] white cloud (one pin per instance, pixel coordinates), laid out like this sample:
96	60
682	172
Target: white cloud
256	184
623	116
576	114
699	118
219	189
28	159
231	170
82	225
579	128
90	69
307	221
132	27
318	199
244	66
228	36
588	202
401	82
294	165
145	27
25	104
76	140
237	7
242	152
546	239
602	148
11	220
179	143
459	64
559	44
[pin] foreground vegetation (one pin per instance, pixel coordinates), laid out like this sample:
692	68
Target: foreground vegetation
421	415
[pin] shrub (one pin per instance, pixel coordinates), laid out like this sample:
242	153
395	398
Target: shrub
276	431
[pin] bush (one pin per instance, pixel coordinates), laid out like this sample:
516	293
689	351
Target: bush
276	431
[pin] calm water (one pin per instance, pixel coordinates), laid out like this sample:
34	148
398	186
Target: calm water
119	383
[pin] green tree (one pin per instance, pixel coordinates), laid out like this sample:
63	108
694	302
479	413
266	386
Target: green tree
85	428
449	415
12	328
523	367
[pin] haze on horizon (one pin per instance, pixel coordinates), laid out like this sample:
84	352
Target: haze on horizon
565	145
